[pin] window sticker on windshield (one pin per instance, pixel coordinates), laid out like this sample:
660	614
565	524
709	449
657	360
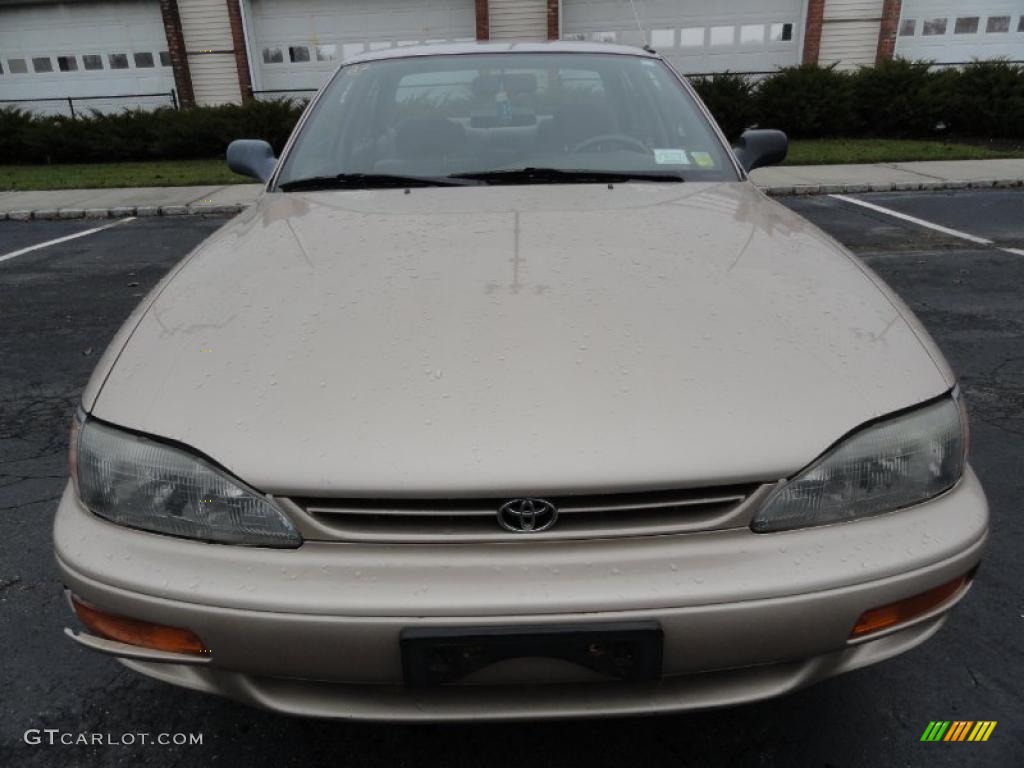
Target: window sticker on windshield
703	159
671	157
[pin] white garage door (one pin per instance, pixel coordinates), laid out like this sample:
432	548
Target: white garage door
696	35
84	49
849	33
517	19
941	30
298	43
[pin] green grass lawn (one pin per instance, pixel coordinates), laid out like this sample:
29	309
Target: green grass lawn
167	173
835	151
174	173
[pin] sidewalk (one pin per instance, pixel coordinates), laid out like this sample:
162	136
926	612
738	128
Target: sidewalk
782	180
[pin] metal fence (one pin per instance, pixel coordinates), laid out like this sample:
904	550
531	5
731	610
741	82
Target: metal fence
65	105
288	94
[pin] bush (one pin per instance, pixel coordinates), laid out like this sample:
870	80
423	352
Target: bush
808	101
136	134
988	100
730	97
901	98
895	99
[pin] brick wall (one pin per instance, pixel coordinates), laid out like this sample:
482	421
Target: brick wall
887	34
241	53
812	30
176	50
552	19
483	26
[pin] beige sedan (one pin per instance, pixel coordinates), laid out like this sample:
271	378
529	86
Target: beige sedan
512	397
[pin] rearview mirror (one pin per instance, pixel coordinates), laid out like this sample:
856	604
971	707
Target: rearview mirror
251	157
761	147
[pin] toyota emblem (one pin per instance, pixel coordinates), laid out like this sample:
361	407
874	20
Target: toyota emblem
527	515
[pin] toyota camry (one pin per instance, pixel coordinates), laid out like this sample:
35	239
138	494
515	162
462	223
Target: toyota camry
513	397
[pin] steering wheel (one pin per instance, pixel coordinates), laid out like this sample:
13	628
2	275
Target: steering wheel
614	138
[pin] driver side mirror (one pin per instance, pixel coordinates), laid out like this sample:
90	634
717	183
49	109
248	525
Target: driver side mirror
761	147
251	157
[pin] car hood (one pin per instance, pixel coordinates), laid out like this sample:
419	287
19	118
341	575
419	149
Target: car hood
513	340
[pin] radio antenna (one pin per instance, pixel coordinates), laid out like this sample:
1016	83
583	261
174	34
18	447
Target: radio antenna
639	26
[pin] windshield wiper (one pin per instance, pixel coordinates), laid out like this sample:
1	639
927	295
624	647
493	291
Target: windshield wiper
368	181
560	176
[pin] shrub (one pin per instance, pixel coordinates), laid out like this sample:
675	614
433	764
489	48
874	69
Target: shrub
808	101
988	100
901	98
730	97
136	134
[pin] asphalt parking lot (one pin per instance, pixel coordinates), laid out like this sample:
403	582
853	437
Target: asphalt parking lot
59	306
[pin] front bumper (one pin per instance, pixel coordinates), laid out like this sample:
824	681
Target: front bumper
314	631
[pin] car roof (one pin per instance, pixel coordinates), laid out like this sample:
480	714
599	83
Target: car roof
513	46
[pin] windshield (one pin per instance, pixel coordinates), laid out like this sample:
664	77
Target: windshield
482	116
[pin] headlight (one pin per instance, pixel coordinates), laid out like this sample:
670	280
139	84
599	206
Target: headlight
891	464
143	483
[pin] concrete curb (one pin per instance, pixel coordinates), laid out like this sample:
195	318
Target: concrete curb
121	211
230	209
903	186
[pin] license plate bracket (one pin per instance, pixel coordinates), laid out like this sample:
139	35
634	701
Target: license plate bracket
630	651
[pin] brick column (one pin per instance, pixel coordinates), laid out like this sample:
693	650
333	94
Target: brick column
812	30
483	22
889	30
241	51
176	50
553	19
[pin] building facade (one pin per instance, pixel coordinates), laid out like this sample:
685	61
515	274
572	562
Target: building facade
106	54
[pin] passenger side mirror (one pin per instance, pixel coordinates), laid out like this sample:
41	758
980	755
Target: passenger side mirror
251	157
761	147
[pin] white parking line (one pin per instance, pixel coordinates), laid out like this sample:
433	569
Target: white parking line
64	239
914	220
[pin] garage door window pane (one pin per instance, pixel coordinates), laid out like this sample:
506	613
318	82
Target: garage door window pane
165	58
298	54
934	27
1020	24
780	32
67	63
966	25
691	37
144	59
998	24
118	60
17	66
326	52
663	38
92	61
723	35
348	50
751	34
907	27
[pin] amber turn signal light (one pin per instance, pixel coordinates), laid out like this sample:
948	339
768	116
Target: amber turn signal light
135	632
902	611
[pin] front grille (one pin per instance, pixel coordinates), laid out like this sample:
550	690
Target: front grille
579	517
